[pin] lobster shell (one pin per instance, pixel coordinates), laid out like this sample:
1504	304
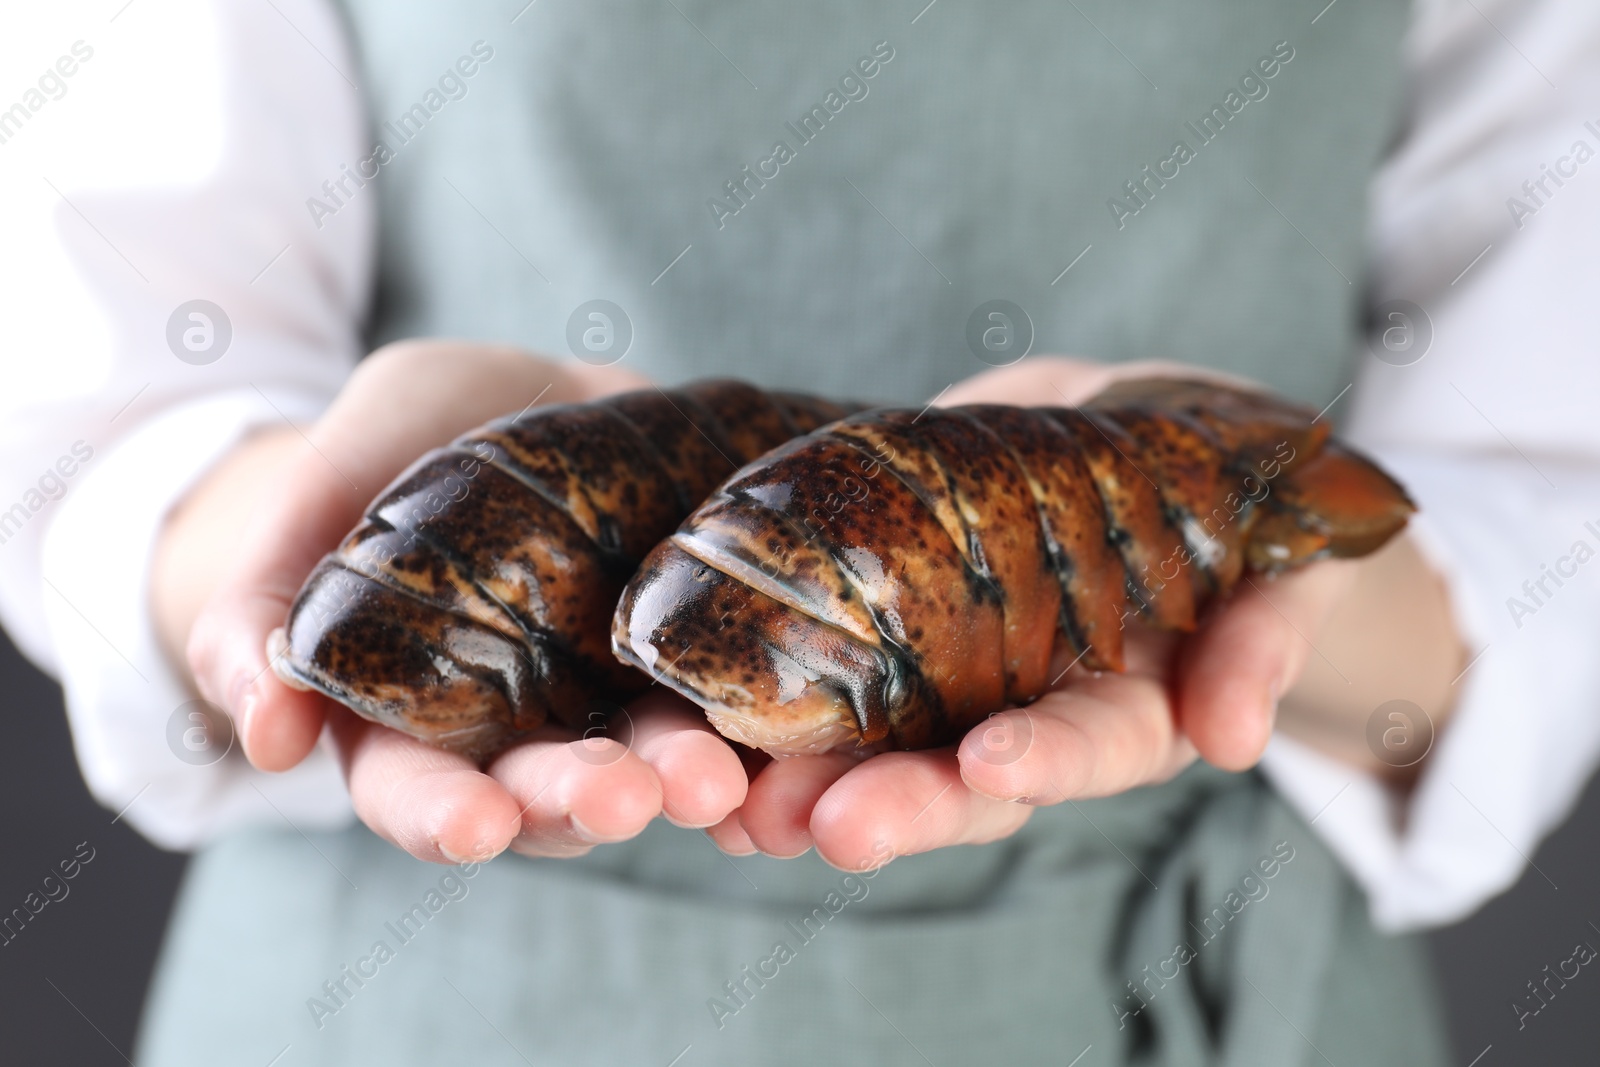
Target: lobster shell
894	578
473	602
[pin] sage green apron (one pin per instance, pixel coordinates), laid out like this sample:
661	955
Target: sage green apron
1177	178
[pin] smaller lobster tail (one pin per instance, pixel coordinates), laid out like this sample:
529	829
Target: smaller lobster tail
472	603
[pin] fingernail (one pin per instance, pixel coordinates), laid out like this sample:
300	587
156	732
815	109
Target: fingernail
482	852
681	821
728	850
786	855
589	835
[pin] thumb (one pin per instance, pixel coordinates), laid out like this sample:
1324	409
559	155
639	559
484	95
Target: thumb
1246	656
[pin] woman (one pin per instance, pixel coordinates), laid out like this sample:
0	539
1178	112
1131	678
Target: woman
825	198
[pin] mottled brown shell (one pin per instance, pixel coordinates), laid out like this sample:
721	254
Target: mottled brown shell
895	577
473	602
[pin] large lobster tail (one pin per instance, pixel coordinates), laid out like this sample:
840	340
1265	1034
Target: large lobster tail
894	578
472	603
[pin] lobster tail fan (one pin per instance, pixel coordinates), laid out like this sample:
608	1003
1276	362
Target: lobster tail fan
1252	479
1339	505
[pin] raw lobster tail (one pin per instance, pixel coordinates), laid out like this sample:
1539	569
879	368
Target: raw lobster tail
896	577
473	602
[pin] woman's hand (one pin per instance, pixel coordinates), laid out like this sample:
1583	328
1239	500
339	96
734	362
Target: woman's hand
234	554
1383	621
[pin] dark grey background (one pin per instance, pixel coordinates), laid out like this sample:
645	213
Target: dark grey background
72	983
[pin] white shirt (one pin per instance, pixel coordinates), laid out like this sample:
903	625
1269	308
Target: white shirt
172	164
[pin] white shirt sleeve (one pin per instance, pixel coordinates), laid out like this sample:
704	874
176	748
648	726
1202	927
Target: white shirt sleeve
165	157
1494	432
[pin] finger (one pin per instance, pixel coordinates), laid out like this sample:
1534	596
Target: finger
702	779
1069	381
1166	368
730	837
1234	669
227	649
278	726
571	795
435	805
1077	380
1093	738
777	813
902	803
